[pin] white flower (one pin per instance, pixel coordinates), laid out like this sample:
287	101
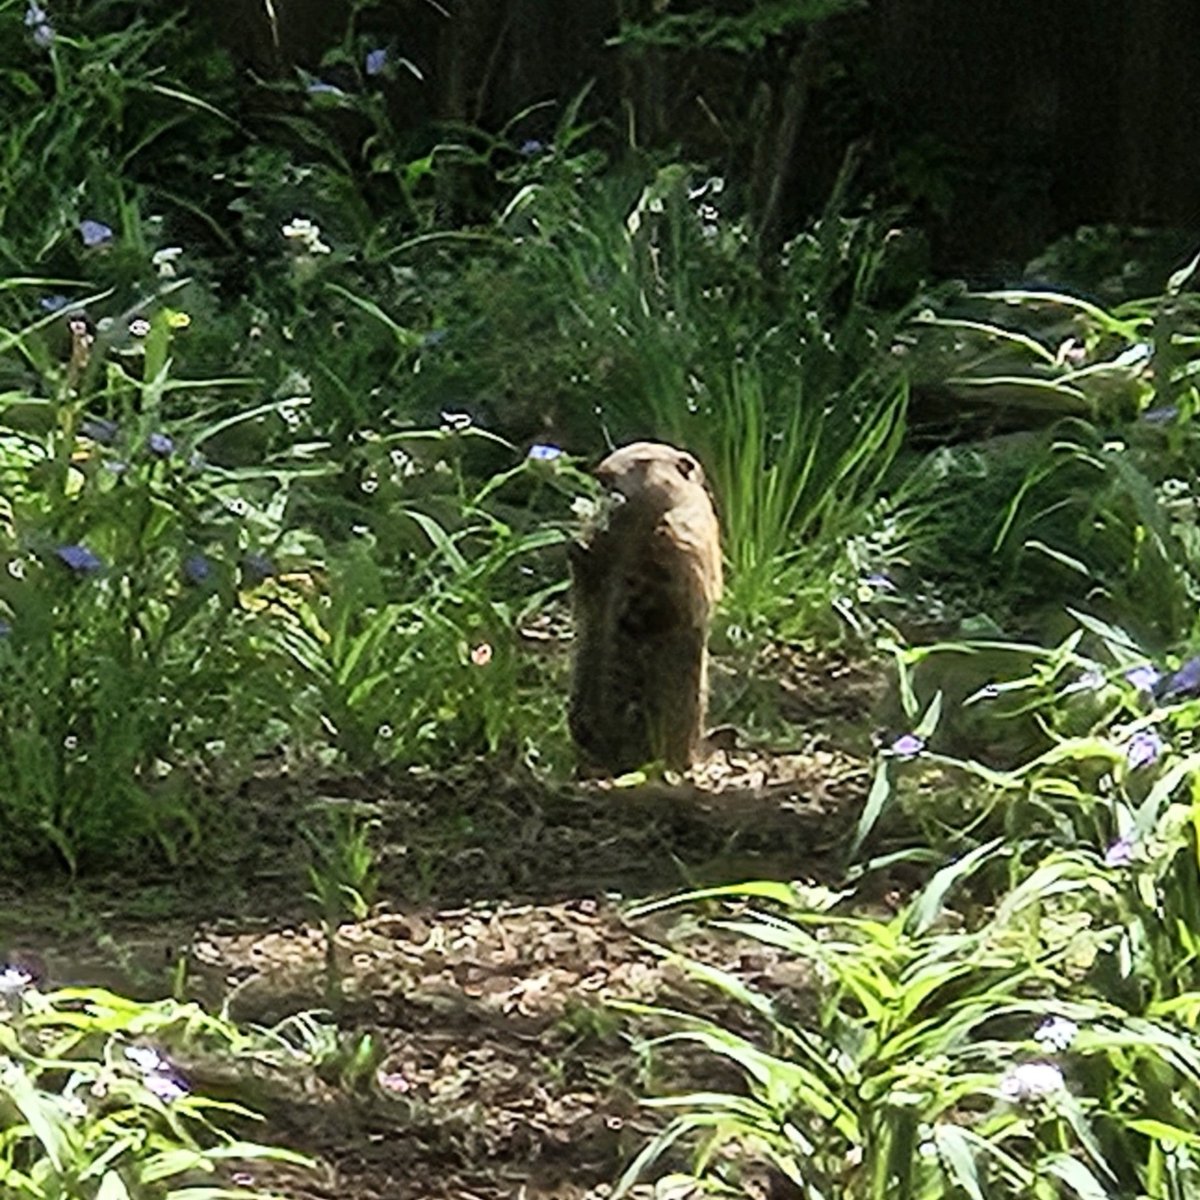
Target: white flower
1056	1033
164	261
14	980
1031	1081
307	233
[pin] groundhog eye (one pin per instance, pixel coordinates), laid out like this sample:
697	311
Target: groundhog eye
688	466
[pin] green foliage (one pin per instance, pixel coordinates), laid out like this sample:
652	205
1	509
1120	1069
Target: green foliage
778	373
123	554
93	1109
938	1055
280	548
741	32
1098	504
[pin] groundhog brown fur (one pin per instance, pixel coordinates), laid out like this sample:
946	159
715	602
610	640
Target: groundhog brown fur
643	587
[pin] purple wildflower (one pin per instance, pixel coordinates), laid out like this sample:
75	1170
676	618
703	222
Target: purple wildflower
532	147
1143	677
146	1059
100	430
1056	1034
161	444
256	568
80	559
1183	683
43	35
53	304
197	569
1163	415
35	14
376	60
1120	853
544	453
1032	1081
166	1087
1144	749
908	745
95	233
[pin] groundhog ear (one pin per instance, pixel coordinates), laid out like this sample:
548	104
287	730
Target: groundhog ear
689	468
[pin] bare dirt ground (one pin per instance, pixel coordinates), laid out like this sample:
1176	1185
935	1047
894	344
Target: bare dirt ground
495	1067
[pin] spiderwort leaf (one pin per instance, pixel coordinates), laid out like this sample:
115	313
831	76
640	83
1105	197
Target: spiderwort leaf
44	1120
881	790
112	1187
954	1152
927	907
929	720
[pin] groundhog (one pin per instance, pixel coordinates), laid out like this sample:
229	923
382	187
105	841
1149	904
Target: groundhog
644	584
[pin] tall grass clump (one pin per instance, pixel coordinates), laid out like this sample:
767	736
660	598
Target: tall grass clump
775	367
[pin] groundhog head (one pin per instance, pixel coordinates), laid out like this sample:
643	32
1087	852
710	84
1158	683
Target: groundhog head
650	472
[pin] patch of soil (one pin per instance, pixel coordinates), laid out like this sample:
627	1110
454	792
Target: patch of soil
495	1066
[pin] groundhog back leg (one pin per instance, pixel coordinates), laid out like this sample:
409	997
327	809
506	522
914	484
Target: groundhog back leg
675	706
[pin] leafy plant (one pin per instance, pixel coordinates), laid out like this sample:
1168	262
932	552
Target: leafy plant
937	1053
125	558
94	1108
344	880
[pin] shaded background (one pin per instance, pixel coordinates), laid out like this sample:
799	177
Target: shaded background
1000	124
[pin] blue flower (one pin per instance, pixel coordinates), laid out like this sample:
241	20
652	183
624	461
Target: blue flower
1162	415
543	453
908	745
257	567
53	304
376	60
1143	677
166	1087
1182	684
80	559
37	19
100	430
95	233
161	444
1144	749
532	147
1120	853
197	569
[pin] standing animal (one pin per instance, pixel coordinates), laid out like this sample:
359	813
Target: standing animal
643	587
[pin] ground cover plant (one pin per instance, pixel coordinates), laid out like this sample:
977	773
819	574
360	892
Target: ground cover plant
297	401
